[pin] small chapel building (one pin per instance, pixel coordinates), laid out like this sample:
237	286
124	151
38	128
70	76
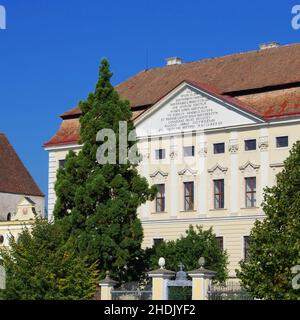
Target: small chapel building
20	197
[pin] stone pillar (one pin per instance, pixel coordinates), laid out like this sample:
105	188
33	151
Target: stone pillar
160	279
201	281
107	286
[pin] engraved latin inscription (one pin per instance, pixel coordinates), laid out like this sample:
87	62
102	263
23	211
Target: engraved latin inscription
190	111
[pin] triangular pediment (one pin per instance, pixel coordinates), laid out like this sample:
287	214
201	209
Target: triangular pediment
217	170
190	108
187	172
249	167
159	174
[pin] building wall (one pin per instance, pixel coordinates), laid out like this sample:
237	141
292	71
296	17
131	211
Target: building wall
55	155
9	202
235	220
13	228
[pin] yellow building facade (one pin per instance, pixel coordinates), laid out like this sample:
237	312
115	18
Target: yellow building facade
210	153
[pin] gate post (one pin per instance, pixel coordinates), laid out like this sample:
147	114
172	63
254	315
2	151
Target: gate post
160	279
201	281
107	286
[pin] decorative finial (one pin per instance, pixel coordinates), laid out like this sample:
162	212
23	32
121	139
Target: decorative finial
201	262
181	266
162	262
107	274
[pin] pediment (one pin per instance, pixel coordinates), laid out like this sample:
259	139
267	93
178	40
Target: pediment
187	172
189	108
26	201
249	167
217	170
158	174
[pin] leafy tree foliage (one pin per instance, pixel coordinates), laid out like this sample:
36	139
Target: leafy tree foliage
275	241
188	249
98	202
39	266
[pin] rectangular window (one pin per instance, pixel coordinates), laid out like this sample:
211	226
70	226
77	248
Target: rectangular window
250	185
250	144
61	164
157	241
160	198
219	148
189	151
188	196
160	154
219	194
282	142
246	247
220	243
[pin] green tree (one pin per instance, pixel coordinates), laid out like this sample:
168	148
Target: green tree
39	266
188	249
98	202
275	242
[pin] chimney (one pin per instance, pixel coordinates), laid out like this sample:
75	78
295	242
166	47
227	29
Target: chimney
269	45
173	60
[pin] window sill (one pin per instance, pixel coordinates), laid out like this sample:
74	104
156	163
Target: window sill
218	209
282	148
186	211
159	212
247	208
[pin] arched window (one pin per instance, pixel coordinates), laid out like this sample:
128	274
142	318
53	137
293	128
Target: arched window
9	217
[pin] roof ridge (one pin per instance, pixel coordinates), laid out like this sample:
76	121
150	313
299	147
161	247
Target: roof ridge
213	58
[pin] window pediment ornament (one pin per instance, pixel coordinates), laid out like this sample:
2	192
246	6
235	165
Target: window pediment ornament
249	167
217	170
158	174
278	165
187	172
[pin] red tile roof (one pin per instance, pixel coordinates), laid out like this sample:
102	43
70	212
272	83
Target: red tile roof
232	73
14	177
252	80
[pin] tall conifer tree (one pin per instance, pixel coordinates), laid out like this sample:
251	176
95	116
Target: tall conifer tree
98	203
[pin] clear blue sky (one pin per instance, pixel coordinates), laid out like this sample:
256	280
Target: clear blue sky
50	52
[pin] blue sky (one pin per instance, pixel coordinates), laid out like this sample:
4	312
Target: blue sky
50	52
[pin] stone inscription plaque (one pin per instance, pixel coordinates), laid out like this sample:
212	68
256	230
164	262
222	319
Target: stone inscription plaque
190	111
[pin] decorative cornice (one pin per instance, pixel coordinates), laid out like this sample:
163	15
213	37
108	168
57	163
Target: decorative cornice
200	220
173	155
277	165
202	149
233	146
263	143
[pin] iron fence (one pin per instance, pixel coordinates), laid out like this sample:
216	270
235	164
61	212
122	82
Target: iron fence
231	290
131	295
